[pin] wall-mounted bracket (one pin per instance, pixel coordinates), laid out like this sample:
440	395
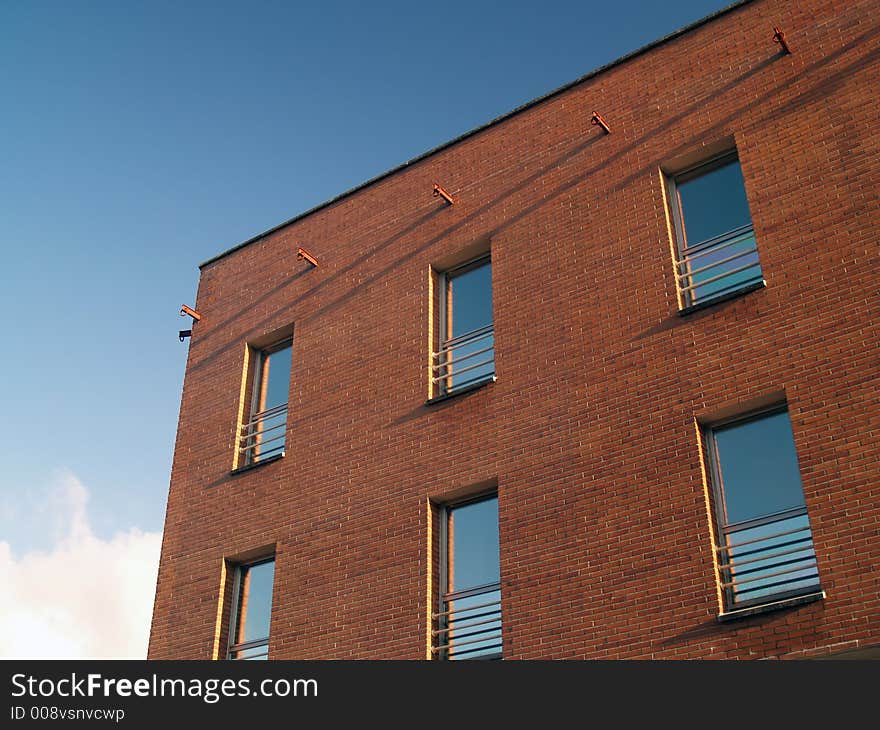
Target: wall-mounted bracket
184	311
443	194
301	253
779	37
183	334
598	120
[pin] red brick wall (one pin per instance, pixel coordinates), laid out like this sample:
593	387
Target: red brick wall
589	430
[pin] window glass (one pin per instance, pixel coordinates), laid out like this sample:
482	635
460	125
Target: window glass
759	468
276	378
254	602
467	352
469	622
719	254
473	545
471	295
713	202
767	549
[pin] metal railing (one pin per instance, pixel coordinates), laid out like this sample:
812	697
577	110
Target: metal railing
250	650
264	434
471	629
766	558
472	353
719	265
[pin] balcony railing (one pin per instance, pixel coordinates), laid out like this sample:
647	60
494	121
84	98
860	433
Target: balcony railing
719	266
263	435
250	650
469	626
768	558
465	360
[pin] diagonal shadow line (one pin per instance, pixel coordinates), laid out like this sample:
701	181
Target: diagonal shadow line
219	327
576	180
670	122
813	93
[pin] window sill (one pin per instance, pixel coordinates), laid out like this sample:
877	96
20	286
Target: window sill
255	465
769	607
724	298
461	391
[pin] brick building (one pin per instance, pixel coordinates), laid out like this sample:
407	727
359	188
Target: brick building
596	380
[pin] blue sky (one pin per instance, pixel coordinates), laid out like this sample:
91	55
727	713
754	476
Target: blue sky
139	139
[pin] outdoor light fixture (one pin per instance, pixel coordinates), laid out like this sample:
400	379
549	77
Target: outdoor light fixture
443	194
301	253
597	120
779	37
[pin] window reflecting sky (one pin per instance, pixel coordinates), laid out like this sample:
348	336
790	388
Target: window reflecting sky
255	601
714	203
473	537
759	467
471	294
277	375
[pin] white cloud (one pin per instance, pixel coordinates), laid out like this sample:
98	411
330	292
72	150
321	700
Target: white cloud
85	598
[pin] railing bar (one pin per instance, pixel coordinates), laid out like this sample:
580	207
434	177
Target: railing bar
262	431
454	639
739	563
720	240
453	617
263	443
814	577
487	648
463	370
764	577
269	412
469	608
705	250
720	276
808	539
769	519
447	347
482	590
709	297
255	427
249	644
459	627
450	614
452	360
741	575
473	334
718	263
455	644
761	539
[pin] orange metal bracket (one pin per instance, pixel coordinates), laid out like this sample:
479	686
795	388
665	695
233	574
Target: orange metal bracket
598	120
779	37
443	194
184	310
301	253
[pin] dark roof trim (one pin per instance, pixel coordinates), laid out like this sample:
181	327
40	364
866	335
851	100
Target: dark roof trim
477	130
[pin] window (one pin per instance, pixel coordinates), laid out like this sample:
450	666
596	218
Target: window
468	620
718	255
466	356
766	547
263	434
251	610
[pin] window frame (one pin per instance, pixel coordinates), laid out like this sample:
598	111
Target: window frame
690	172
443	594
723	527
261	357
232	646
442	386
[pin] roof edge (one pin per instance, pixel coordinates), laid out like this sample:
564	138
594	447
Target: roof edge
493	122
